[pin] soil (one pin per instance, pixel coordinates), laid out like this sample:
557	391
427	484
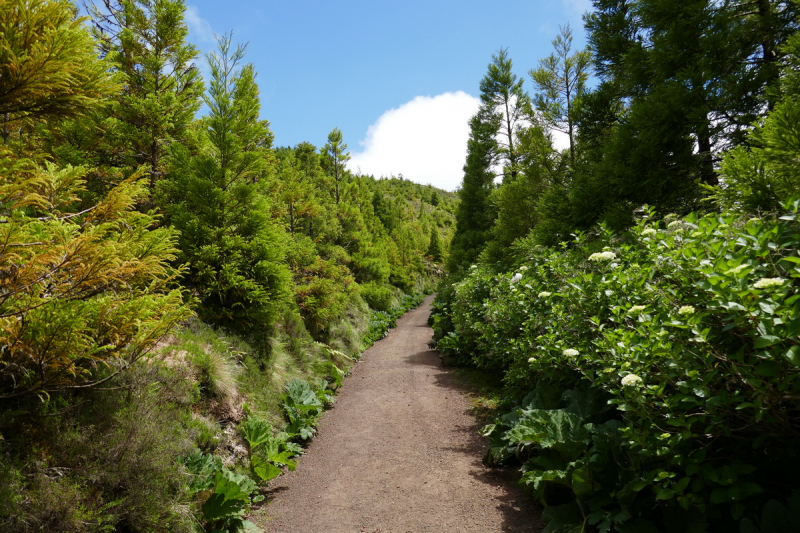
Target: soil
399	452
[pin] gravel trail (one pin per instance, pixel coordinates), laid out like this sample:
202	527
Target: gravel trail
399	452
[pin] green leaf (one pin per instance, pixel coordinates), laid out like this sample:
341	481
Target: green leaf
256	431
793	355
264	469
665	494
766	340
566	518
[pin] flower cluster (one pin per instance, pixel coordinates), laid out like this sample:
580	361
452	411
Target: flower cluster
571	352
648	231
737	269
686	310
766	283
516	277
631	380
603	256
545	294
636	309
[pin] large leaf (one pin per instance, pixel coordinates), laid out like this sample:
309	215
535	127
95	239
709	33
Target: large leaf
558	429
231	493
300	395
563	519
587	401
256	431
264	469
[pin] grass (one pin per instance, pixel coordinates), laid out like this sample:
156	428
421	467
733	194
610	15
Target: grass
484	390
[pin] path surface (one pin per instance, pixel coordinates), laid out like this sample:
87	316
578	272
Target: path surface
399	452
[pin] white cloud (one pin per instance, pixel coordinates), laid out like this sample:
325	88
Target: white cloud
578	6
425	140
199	28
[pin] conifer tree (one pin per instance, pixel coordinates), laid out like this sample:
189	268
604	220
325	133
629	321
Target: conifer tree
475	215
693	76
87	290
503	97
145	40
216	199
338	156
561	80
48	65
435	246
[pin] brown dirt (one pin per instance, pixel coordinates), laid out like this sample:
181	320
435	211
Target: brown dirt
399	452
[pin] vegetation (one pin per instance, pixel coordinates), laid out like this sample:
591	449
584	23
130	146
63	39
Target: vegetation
642	307
124	214
181	299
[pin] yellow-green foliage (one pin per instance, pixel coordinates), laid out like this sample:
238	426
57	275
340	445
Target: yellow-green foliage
47	61
85	294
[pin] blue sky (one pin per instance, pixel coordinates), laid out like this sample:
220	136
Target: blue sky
398	78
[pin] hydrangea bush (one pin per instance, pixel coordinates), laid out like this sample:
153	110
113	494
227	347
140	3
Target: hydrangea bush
691	329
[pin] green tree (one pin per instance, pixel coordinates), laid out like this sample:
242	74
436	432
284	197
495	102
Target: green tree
145	40
216	199
87	290
48	64
763	174
561	80
435	246
337	155
693	76
85	293
503	97
475	215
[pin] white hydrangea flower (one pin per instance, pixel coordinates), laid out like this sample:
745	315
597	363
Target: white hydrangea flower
631	380
523	268
675	223
545	294
636	309
516	277
571	352
473	266
766	283
686	310
736	270
648	231
603	256
531	359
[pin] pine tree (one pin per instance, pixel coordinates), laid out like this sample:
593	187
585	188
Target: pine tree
337	156
561	79
87	289
693	76
145	40
435	246
216	199
48	65
475	215
503	97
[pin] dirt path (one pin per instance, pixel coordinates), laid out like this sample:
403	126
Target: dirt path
399	452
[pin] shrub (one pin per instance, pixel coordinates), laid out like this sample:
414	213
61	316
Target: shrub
690	328
378	297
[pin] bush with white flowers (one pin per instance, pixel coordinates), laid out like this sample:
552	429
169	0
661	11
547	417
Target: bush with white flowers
693	339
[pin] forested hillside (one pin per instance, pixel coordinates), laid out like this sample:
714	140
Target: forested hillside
179	296
638	291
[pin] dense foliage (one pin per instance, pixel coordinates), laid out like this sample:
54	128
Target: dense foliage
687	328
121	214
651	362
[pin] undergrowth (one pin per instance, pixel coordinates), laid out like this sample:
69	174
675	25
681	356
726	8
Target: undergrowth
186	440
654	374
